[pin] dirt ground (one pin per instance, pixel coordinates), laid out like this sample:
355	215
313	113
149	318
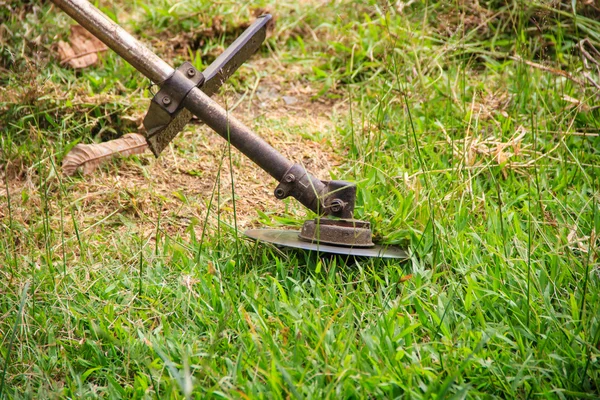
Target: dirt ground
176	188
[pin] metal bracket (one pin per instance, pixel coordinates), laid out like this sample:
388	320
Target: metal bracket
331	198
167	103
340	199
301	185
161	132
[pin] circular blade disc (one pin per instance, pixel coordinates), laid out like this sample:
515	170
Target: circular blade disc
290	239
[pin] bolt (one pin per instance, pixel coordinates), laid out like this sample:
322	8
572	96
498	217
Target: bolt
289	178
191	72
279	193
166	100
336	205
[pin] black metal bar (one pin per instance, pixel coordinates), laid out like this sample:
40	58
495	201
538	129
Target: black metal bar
240	136
235	55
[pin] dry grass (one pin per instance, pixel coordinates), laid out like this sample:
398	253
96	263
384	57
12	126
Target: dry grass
176	188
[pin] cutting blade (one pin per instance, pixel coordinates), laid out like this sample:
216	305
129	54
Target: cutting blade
288	238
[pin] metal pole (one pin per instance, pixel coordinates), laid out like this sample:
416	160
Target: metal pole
157	70
238	134
117	38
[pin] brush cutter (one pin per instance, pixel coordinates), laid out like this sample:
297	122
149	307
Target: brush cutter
186	91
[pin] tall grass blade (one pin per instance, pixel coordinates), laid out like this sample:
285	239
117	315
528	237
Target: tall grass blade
14	335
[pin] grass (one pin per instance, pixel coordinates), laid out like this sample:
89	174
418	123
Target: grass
472	133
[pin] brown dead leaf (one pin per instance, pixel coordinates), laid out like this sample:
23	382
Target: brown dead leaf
501	156
90	156
573	102
575	241
82	49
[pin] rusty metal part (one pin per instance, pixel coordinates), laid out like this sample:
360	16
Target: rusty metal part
162	131
338	232
339	199
290	239
167	104
238	134
332	198
301	185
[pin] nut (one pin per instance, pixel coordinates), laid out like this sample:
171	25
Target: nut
279	193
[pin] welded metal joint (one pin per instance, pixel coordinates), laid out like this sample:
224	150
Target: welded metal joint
301	185
328	198
168	103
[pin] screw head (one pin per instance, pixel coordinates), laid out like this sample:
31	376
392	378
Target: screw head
279	193
191	72
336	205
166	100
289	178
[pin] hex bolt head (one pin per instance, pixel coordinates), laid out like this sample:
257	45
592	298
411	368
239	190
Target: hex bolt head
279	193
336	205
166	100
289	178
191	72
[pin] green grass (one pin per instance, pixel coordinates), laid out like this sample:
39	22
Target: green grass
483	166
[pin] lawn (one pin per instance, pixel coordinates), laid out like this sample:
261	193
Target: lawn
472	129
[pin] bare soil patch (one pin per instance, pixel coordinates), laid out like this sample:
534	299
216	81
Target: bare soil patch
175	190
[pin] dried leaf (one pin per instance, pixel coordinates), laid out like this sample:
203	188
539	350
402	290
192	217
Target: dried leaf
82	49
90	156
501	156
576	103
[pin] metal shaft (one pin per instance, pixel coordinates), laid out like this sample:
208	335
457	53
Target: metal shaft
157	70
239	135
117	38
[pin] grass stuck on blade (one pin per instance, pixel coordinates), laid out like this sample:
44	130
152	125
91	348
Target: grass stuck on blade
471	130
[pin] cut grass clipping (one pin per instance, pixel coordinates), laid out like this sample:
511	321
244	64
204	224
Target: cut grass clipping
471	129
